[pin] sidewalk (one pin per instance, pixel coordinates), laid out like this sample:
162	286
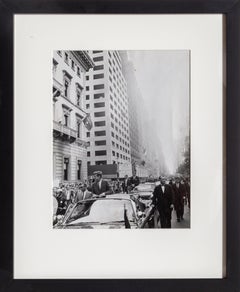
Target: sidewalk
185	223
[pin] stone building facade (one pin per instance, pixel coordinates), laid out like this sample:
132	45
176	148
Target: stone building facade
69	131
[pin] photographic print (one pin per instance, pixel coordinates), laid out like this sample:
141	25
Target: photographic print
121	139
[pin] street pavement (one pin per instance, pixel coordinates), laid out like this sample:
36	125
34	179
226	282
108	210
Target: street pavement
185	223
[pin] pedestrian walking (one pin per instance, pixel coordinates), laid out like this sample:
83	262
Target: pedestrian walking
126	184
179	193
163	200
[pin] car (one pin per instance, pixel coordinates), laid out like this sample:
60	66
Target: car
111	212
144	191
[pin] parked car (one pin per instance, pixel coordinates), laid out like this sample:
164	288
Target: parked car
111	212
144	191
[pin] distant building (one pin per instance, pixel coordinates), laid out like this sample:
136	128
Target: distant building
69	132
107	102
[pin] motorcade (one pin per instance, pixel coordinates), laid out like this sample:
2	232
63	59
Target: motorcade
110	212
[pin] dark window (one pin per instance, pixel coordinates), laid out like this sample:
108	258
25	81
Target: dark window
73	65
112	125
65	168
113	153
87	97
88	134
100	153
112	134
87	88
100	124
98	86
66	58
87	106
95	52
101	162
88	163
78	71
65	120
99	114
98	95
97	59
87	77
79	165
78	129
99	104
100	143
88	154
100	133
99	67
66	87
98	76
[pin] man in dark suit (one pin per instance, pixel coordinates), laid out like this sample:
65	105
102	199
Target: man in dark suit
179	193
135	181
163	200
126	184
100	188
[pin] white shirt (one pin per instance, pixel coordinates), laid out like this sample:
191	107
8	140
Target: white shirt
99	184
163	188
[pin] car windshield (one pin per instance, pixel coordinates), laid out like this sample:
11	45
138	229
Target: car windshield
101	211
145	188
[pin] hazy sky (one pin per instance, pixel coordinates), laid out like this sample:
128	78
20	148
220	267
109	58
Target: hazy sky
163	79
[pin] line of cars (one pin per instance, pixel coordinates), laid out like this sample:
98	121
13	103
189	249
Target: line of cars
116	211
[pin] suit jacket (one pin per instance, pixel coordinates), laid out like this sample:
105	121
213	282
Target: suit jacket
79	196
126	184
105	188
135	181
179	193
161	200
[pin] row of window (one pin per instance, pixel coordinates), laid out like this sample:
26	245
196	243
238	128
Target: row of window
66	122
96	96
96	87
96	105
115	70
98	153
69	61
104	153
118	79
66	168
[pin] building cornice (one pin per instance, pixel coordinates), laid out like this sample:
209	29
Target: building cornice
84	59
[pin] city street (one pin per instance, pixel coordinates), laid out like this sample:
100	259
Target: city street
185	223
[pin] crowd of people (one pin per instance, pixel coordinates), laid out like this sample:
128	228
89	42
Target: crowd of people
70	193
169	194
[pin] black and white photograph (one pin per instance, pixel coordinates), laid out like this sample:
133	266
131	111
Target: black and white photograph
121	139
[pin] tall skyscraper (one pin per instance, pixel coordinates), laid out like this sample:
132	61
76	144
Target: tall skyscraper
107	102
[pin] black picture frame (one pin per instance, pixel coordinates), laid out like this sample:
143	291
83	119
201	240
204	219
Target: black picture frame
231	8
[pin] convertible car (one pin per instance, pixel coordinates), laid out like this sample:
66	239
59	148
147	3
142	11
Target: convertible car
111	212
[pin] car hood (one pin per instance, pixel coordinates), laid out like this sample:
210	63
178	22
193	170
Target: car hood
95	226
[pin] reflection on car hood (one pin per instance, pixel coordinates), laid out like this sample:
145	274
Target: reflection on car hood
96	226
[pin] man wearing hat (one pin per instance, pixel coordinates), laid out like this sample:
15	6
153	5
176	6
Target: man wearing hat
83	193
100	187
